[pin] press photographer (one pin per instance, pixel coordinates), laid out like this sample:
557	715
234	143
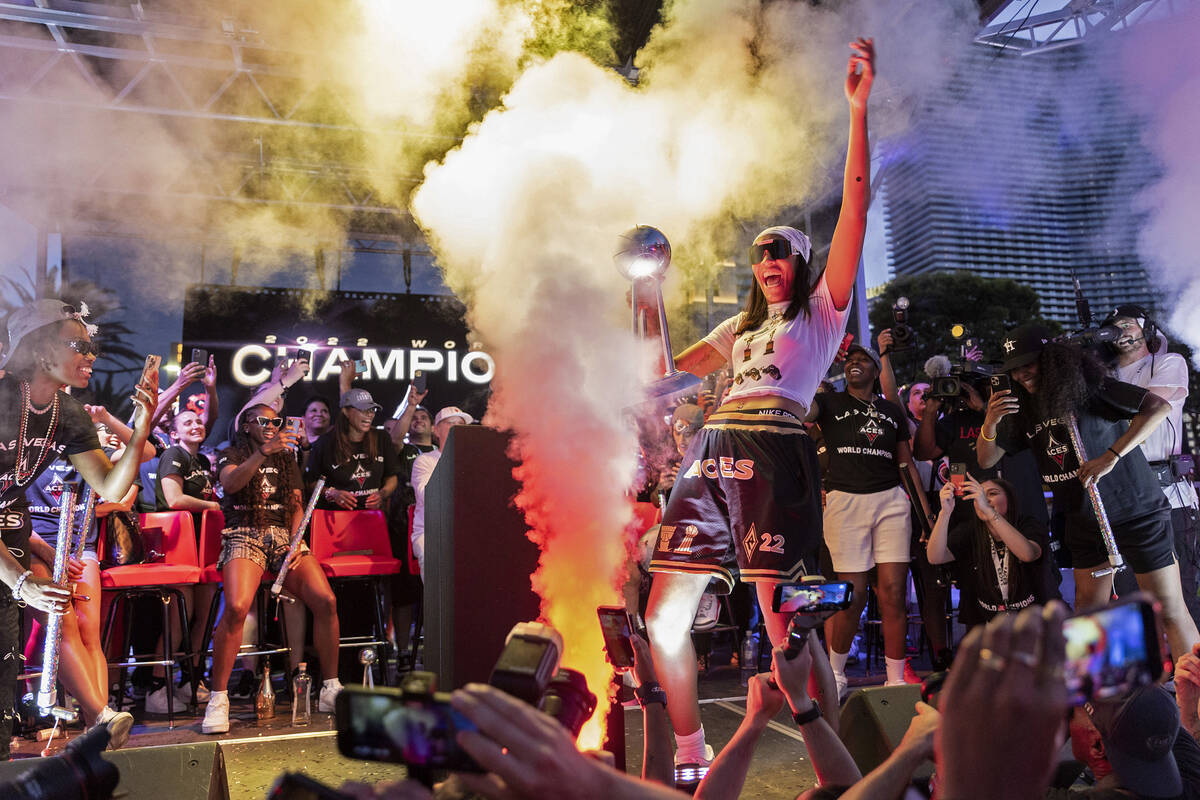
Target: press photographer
1055	383
1142	359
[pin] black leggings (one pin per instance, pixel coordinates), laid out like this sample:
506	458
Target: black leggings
12	650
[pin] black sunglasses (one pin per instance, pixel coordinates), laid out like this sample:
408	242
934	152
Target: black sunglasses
273	422
83	347
775	248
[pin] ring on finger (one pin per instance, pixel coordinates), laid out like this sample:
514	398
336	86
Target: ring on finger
1027	659
992	661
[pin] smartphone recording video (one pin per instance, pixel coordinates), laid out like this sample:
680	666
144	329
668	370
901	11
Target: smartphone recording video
295	426
419	381
386	725
200	356
617	630
360	367
1112	650
1000	383
811	598
958	476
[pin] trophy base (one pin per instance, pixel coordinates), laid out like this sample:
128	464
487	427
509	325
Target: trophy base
671	385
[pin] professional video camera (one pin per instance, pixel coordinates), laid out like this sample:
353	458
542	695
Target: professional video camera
1088	335
77	772
416	725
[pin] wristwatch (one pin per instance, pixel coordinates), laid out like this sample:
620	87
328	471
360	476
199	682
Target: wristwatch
650	693
805	717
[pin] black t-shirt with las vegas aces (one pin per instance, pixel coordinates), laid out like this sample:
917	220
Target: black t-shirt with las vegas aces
1129	491
195	472
267	492
359	475
860	442
74	433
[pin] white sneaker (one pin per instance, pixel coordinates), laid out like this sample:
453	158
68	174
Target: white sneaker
156	701
216	714
327	698
693	771
843	686
119	724
184	693
706	613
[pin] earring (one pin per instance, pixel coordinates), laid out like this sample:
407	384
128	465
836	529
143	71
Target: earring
45	364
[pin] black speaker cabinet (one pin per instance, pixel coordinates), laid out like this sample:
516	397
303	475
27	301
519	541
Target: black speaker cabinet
180	772
477	557
873	722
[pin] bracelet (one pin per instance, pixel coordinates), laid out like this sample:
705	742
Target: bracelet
649	693
20	584
805	717
985	437
1115	453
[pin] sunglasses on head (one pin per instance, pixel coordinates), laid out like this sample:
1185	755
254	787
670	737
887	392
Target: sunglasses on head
273	422
83	347
682	427
773	249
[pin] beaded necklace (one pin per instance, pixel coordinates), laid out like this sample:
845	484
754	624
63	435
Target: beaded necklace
22	474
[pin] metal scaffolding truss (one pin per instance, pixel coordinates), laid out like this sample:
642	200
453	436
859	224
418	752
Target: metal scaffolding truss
1031	26
80	59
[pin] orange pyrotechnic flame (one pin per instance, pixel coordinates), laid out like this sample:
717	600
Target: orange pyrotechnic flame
582	563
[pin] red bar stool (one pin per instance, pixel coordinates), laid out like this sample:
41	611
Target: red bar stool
354	546
178	568
211	525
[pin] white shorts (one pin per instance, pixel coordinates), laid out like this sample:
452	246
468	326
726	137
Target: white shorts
862	530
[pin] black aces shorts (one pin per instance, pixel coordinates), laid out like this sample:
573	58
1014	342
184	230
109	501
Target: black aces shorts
746	504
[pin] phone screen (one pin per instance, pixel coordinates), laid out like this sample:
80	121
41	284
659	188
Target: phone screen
811	597
384	725
1111	650
614	624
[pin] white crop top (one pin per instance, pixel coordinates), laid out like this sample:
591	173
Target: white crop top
783	358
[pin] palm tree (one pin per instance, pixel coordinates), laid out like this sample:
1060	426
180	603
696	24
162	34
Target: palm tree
119	365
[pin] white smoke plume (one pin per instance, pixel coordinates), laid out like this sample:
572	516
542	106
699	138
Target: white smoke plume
739	111
1160	70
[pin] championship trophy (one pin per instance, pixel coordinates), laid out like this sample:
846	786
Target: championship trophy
643	256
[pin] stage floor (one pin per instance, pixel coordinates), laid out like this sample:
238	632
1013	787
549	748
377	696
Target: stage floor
257	753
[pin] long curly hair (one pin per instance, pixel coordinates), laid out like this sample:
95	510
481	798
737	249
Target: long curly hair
1069	376
249	495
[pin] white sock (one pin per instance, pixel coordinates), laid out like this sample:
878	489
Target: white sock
838	662
215	695
332	683
105	714
690	747
895	670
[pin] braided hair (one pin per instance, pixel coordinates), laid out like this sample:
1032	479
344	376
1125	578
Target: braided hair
249	495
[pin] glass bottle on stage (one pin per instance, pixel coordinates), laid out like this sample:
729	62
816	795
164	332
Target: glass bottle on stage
301	692
264	701
748	658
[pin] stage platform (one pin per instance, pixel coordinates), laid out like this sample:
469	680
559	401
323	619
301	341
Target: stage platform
255	754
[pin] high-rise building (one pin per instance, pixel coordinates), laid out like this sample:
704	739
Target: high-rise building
1024	168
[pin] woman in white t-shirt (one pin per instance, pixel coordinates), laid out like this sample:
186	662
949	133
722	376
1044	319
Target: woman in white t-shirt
746	502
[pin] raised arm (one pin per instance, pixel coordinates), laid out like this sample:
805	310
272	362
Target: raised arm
189	373
887	375
103	416
212	406
1023	548
700	359
112	481
925	445
845	249
727	775
937	549
1000	405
